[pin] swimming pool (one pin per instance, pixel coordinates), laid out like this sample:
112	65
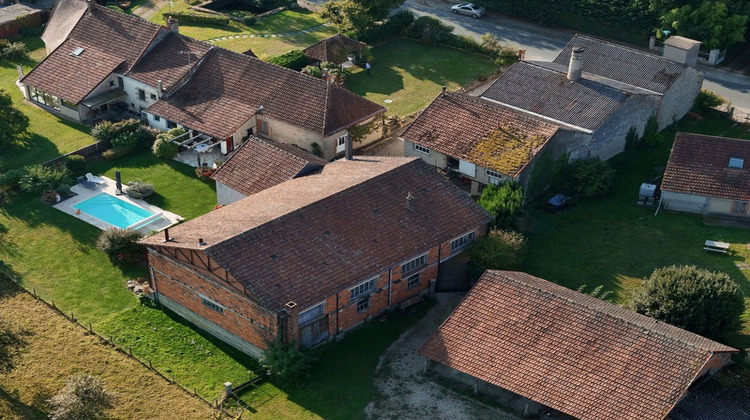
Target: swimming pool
112	210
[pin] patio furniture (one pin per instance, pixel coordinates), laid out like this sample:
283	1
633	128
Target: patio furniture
95	179
716	246
85	183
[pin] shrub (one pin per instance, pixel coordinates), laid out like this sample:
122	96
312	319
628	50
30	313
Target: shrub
175	132
139	189
490	43
499	250
83	397
190	17
433	31
164	148
313	71
285	362
394	27
120	245
651	135
125	143
295	60
316	150
38	178
11	178
102	131
75	163
506	56
589	178
204	172
707	100
14	51
704	302
503	202
146	135
249	20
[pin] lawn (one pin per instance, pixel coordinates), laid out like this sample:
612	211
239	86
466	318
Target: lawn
613	242
410	74
50	136
43	368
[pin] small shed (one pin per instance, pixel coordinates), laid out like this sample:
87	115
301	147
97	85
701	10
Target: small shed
337	49
682	50
15	17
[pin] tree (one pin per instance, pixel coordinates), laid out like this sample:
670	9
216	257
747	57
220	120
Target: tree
709	22
348	15
502	201
13	122
589	178
704	302
83	398
11	345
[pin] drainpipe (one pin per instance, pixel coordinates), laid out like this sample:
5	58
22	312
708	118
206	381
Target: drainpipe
153	281
390	286
337	313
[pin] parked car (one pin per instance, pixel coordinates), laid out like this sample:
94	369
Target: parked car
469	9
558	202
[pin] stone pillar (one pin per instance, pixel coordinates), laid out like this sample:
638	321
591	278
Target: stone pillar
227	389
474	188
713	56
652	43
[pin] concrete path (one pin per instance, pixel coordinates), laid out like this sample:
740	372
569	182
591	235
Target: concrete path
281	35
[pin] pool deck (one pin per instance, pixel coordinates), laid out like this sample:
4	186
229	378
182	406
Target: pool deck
167	219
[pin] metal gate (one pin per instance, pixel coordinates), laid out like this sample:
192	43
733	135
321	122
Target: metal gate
452	275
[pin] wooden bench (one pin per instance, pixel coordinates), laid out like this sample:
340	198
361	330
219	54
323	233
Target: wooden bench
410	302
715	246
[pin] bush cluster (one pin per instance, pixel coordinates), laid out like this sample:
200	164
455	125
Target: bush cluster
503	202
394	27
163	147
707	100
120	245
285	362
37	179
499	250
75	163
588	178
295	60
13	50
139	189
191	17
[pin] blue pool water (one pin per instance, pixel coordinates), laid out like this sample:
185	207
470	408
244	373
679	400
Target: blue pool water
112	210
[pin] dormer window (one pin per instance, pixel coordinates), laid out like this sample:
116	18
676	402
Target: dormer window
736	163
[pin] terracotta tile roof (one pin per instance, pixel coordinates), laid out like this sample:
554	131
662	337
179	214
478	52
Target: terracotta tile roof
312	236
228	88
65	15
107	37
169	61
548	92
480	132
624	64
334	49
577	354
259	164
699	165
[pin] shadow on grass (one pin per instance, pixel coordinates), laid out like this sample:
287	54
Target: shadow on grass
340	383
21	410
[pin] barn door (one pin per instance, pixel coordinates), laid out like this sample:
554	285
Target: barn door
314	332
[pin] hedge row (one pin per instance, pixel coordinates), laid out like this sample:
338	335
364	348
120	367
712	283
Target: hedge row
198	18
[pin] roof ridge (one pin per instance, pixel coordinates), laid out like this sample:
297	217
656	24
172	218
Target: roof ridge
626	47
607	310
327	106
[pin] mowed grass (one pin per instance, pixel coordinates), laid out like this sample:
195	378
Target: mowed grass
50	136
58	349
411	74
613	242
266	47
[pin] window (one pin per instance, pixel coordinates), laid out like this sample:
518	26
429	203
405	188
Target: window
311	314
120	82
495	177
171	124
68	104
461	242
141	94
157	118
152	96
341	144
414	264
412	281
420	148
111	83
213	305
736	163
262	127
363	288
739	207
363	305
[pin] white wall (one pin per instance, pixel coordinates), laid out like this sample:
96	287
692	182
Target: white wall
679	98
226	195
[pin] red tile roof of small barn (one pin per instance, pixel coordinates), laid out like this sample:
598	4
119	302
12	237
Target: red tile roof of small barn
313	236
111	42
333	48
699	165
457	125
228	88
259	164
577	354
169	61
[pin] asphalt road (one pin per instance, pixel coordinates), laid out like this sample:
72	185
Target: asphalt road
543	43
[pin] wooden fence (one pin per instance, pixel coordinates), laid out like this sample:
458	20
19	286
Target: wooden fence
95	149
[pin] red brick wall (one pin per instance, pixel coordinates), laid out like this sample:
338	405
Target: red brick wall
13	28
184	284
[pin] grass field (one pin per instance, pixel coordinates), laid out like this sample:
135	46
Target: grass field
613	242
58	349
411	74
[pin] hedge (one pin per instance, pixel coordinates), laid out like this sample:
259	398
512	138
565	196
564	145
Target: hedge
198	18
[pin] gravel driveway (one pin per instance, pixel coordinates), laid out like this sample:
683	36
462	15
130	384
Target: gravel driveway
406	394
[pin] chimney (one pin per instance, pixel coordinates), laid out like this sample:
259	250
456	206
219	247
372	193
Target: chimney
409	202
201	242
160	88
576	64
90	5
166	235
443	94
173	24
348	147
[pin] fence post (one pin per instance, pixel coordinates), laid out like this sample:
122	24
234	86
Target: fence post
34	292
72	317
130	351
150	365
91	328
